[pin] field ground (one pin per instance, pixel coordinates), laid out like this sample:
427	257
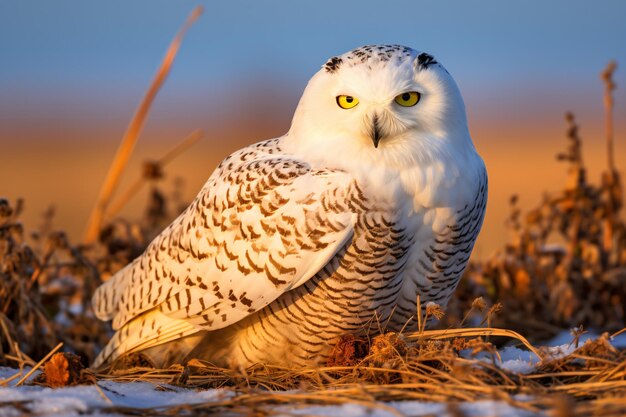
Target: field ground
147	393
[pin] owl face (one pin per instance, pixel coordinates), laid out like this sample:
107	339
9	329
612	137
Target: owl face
384	103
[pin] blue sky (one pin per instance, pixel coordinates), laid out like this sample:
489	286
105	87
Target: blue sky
76	70
108	50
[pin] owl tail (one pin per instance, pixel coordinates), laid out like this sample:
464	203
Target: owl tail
150	329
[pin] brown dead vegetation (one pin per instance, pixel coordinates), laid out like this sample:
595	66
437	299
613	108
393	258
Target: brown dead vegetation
63	370
415	366
565	264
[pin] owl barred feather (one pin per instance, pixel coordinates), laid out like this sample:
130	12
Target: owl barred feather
296	241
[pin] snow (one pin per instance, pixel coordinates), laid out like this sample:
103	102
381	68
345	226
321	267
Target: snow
512	358
75	401
522	361
95	399
413	408
518	360
565	338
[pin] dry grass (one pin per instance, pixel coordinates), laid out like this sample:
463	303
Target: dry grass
565	264
416	366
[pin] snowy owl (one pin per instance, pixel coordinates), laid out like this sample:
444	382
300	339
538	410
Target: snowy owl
376	194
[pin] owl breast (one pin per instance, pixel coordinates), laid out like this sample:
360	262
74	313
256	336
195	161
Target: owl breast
371	283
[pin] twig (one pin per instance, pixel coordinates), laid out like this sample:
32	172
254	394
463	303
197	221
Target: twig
102	394
118	204
6	381
617	333
419	314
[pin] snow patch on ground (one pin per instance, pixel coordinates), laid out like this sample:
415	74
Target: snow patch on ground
565	338
511	359
94	400
414	409
75	401
522	361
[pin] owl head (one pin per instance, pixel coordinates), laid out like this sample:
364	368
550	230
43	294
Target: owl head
381	104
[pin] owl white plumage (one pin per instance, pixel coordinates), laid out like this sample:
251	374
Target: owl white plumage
375	195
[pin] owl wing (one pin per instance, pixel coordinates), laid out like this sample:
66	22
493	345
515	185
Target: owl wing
262	225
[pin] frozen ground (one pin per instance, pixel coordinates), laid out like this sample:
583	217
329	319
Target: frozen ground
95	400
523	361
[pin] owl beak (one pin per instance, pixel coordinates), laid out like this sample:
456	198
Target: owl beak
376	137
375	132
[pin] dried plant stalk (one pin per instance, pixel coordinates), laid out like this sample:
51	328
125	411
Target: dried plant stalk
118	204
609	87
473	332
132	133
611	177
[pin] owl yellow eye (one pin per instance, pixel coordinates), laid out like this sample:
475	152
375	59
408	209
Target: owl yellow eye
408	99
347	102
